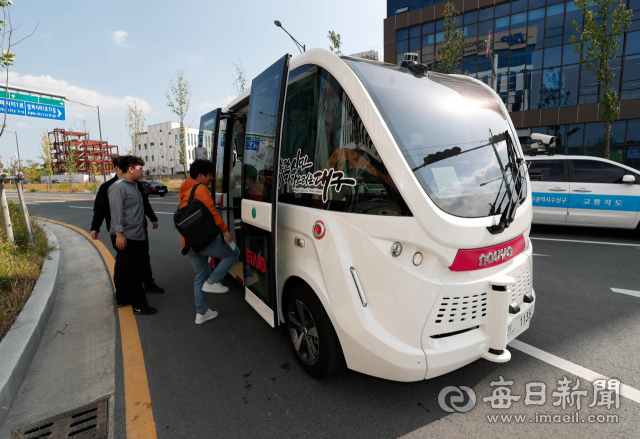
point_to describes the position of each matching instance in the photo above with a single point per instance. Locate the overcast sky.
(112, 53)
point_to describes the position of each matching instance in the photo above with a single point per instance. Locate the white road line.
(42, 202)
(535, 254)
(87, 207)
(588, 242)
(572, 368)
(628, 292)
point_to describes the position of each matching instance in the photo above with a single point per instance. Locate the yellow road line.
(28, 197)
(139, 415)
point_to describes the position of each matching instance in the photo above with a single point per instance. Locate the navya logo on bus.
(513, 39)
(256, 261)
(495, 256)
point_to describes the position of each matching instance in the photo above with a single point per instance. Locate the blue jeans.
(200, 264)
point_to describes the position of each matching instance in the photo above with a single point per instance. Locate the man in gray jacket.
(128, 224)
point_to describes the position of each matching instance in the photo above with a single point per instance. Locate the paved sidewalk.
(75, 362)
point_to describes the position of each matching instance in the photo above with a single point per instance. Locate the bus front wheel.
(313, 339)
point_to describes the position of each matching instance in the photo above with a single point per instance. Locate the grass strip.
(20, 267)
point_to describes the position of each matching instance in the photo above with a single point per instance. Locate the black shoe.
(153, 289)
(145, 311)
(121, 304)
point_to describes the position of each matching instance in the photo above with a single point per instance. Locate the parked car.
(584, 191)
(152, 187)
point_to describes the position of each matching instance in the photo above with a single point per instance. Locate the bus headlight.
(396, 249)
(527, 243)
(417, 259)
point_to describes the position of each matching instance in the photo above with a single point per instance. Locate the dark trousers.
(128, 272)
(147, 275)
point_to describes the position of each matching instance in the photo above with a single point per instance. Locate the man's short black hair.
(201, 166)
(129, 161)
(115, 161)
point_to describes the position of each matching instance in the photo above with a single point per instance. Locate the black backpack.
(195, 223)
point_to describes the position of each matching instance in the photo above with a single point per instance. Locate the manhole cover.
(89, 421)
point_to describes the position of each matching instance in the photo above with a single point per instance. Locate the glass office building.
(539, 77)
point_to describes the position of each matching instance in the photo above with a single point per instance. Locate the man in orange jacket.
(201, 172)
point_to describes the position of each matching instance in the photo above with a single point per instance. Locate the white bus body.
(455, 293)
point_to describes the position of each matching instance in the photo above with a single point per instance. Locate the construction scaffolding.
(70, 147)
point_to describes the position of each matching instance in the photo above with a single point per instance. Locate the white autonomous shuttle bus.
(383, 214)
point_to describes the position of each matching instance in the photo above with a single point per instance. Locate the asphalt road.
(236, 377)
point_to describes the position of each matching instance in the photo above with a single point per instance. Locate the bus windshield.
(452, 132)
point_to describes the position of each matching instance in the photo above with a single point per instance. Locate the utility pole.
(104, 174)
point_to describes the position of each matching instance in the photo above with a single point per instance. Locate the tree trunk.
(607, 132)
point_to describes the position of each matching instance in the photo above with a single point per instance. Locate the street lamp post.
(301, 47)
(104, 173)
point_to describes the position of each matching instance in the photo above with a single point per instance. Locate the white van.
(584, 191)
(383, 215)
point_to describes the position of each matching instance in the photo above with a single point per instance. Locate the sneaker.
(145, 311)
(153, 289)
(122, 304)
(214, 288)
(201, 318)
(251, 280)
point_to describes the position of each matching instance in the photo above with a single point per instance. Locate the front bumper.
(468, 319)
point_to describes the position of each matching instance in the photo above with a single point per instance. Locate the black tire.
(162, 195)
(329, 358)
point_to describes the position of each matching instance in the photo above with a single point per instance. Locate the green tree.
(239, 76)
(134, 121)
(605, 22)
(47, 164)
(452, 47)
(179, 100)
(336, 42)
(7, 57)
(70, 159)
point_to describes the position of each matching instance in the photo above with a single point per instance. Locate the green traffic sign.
(49, 101)
(21, 97)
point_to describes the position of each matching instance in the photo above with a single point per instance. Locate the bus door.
(212, 126)
(260, 186)
(233, 175)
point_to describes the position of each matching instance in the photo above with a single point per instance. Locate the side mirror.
(630, 179)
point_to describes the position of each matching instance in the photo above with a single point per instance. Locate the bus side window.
(327, 158)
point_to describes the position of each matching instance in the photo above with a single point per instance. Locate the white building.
(159, 147)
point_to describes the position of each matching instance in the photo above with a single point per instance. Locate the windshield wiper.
(509, 213)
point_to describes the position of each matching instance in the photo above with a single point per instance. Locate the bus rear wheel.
(313, 339)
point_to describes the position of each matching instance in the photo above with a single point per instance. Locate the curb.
(20, 344)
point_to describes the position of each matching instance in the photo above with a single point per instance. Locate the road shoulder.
(75, 362)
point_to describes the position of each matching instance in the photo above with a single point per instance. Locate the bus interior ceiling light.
(417, 259)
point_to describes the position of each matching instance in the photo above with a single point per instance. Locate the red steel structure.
(88, 154)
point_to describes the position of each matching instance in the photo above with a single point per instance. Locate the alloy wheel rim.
(303, 332)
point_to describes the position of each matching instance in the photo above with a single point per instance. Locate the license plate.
(162, 190)
(519, 322)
